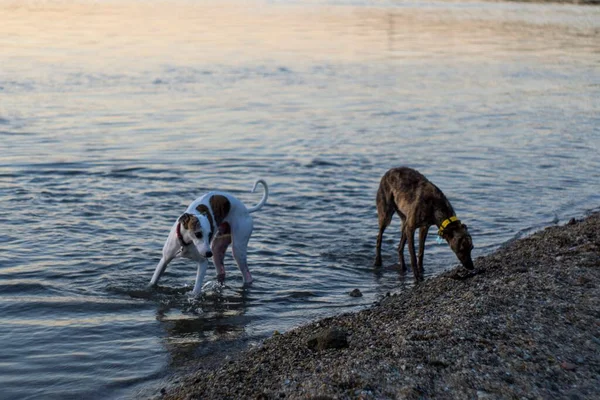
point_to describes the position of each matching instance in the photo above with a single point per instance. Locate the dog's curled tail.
(264, 198)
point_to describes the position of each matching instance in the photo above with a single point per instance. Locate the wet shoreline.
(526, 325)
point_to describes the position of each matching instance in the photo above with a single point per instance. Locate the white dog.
(207, 227)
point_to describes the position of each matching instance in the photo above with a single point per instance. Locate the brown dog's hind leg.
(384, 214)
(410, 233)
(401, 249)
(423, 230)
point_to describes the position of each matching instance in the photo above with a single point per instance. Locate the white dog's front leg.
(169, 252)
(202, 267)
(160, 269)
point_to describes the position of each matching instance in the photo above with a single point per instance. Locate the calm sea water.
(114, 115)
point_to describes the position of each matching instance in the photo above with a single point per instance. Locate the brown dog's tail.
(264, 198)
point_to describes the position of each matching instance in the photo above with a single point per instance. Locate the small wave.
(58, 168)
(12, 133)
(23, 287)
(318, 162)
(143, 291)
(300, 294)
(295, 296)
(388, 113)
(127, 171)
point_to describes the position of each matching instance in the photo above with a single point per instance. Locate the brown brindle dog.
(420, 204)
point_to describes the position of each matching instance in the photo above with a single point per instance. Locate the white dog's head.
(197, 230)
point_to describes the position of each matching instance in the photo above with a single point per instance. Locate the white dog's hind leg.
(239, 249)
(218, 247)
(239, 253)
(202, 267)
(160, 269)
(240, 235)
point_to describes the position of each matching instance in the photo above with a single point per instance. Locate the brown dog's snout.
(468, 263)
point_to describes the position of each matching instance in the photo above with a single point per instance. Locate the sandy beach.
(526, 325)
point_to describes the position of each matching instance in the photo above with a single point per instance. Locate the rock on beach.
(330, 338)
(527, 325)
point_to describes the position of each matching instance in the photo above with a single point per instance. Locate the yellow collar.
(447, 222)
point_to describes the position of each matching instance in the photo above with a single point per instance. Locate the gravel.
(525, 325)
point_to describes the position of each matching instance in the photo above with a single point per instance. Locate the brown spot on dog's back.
(220, 207)
(203, 209)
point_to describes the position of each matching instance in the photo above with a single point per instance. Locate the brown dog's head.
(460, 242)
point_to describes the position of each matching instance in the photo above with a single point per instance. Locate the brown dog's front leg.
(410, 233)
(377, 262)
(422, 237)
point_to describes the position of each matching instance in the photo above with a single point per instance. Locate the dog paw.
(210, 286)
(248, 283)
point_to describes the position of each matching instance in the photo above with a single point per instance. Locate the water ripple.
(101, 153)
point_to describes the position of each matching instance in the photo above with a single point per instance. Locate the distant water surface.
(114, 115)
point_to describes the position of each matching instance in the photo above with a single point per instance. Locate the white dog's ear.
(183, 218)
(188, 221)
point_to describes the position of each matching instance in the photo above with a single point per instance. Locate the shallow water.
(115, 115)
